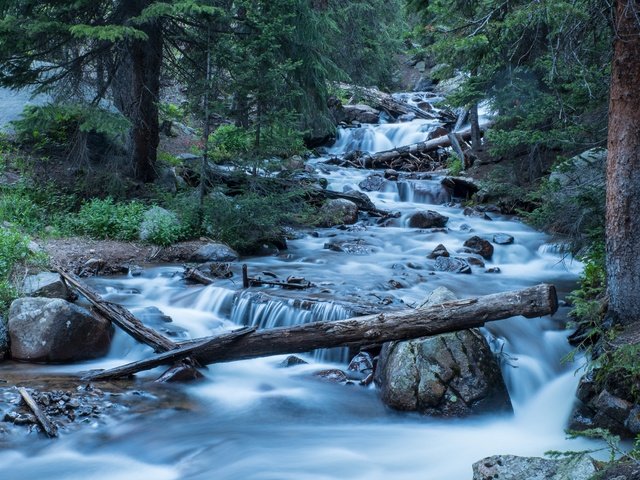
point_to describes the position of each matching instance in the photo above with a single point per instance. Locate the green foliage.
(14, 250)
(455, 166)
(31, 208)
(247, 221)
(108, 219)
(56, 124)
(171, 111)
(229, 142)
(160, 227)
(501, 186)
(107, 33)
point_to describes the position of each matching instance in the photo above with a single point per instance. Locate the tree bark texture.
(623, 168)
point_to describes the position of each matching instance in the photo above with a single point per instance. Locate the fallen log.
(47, 425)
(386, 102)
(382, 159)
(170, 357)
(119, 315)
(384, 327)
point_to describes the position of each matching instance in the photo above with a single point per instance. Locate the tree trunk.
(476, 132)
(384, 327)
(146, 59)
(381, 327)
(623, 169)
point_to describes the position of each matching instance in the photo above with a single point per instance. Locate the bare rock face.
(45, 284)
(54, 330)
(214, 252)
(338, 211)
(449, 375)
(511, 467)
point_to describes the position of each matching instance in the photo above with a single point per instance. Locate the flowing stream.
(255, 420)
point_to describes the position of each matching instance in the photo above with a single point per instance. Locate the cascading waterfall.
(254, 420)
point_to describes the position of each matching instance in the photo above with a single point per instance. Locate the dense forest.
(207, 134)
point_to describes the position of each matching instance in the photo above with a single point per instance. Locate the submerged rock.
(54, 330)
(503, 239)
(511, 467)
(427, 219)
(373, 183)
(453, 265)
(449, 375)
(292, 361)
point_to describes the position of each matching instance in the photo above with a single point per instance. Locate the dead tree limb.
(386, 102)
(47, 425)
(170, 357)
(383, 327)
(119, 315)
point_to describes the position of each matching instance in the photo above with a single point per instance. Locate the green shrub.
(108, 219)
(14, 249)
(54, 125)
(160, 227)
(454, 164)
(247, 221)
(229, 142)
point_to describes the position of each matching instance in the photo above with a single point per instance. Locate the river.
(254, 420)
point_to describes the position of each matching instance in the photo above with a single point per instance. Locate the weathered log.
(47, 425)
(168, 358)
(377, 328)
(195, 275)
(386, 102)
(119, 315)
(382, 159)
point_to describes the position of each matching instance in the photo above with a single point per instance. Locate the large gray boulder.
(214, 252)
(585, 169)
(338, 211)
(45, 284)
(449, 375)
(54, 330)
(360, 113)
(511, 467)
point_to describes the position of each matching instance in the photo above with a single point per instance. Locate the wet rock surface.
(511, 467)
(450, 375)
(338, 211)
(214, 252)
(54, 330)
(480, 246)
(427, 219)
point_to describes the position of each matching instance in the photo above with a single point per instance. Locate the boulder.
(338, 211)
(214, 252)
(480, 246)
(453, 265)
(54, 330)
(511, 467)
(439, 251)
(45, 284)
(427, 219)
(373, 183)
(4, 339)
(360, 113)
(588, 168)
(352, 247)
(449, 375)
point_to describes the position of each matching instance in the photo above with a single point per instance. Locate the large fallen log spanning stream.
(402, 325)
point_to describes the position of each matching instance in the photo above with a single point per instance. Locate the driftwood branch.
(386, 102)
(47, 425)
(170, 357)
(119, 315)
